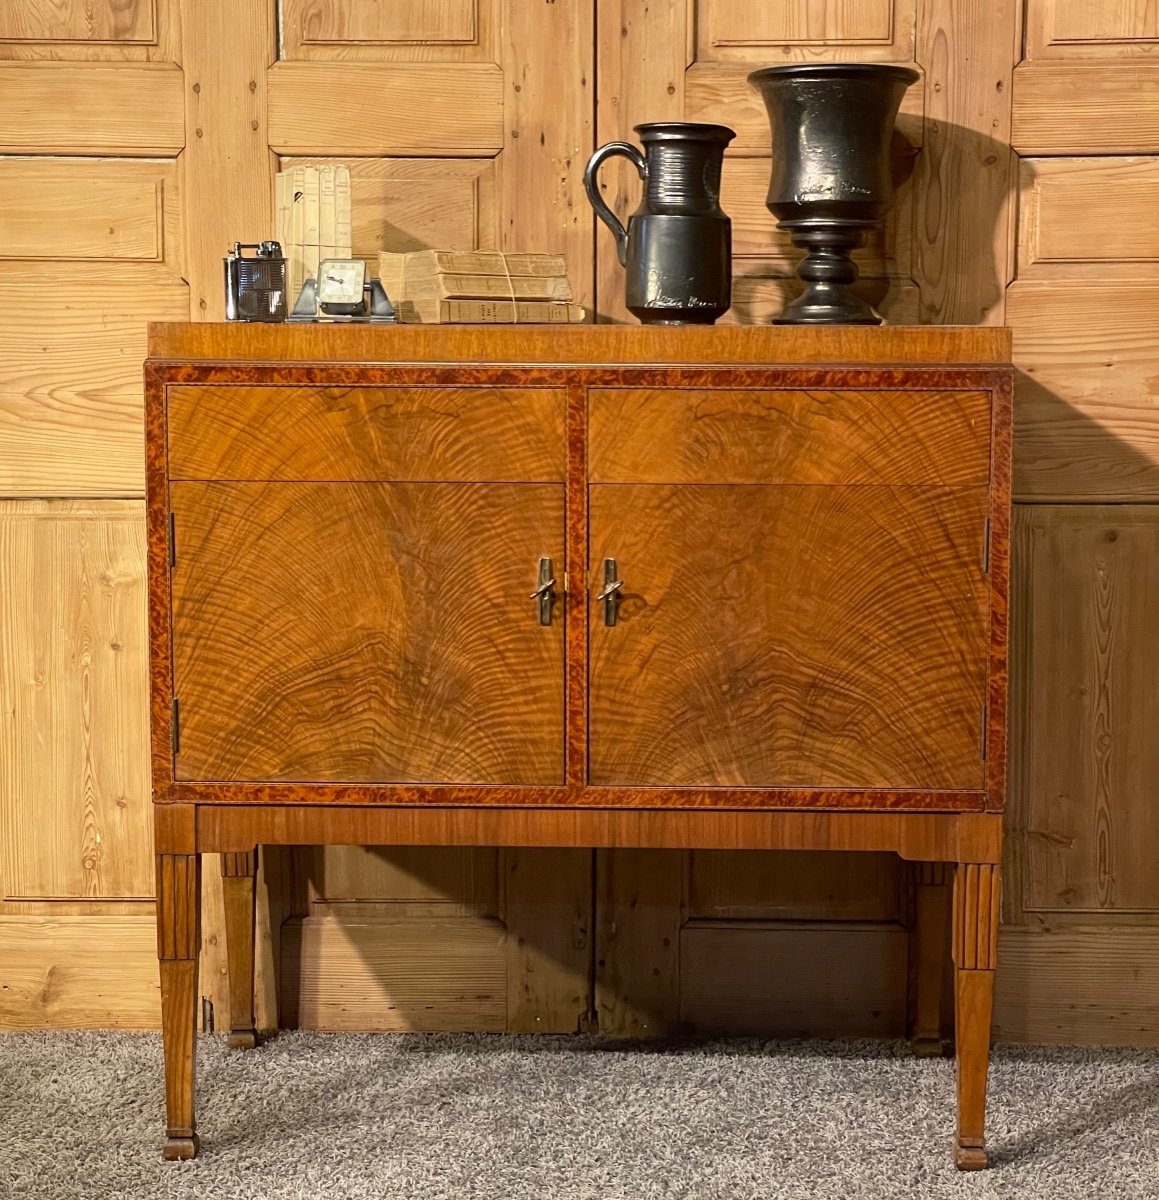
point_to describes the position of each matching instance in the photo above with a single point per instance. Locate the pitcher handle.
(605, 214)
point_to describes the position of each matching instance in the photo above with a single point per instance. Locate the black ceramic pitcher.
(678, 245)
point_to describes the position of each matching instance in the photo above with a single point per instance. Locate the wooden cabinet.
(735, 588)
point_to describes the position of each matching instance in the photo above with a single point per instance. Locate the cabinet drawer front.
(367, 433)
(782, 436)
(790, 637)
(367, 633)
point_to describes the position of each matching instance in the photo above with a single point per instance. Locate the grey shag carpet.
(464, 1117)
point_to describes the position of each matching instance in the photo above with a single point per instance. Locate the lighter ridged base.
(181, 1149)
(928, 1047)
(971, 1158)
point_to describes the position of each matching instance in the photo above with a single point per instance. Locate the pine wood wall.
(139, 138)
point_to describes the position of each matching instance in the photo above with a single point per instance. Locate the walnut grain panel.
(783, 436)
(352, 433)
(789, 636)
(366, 632)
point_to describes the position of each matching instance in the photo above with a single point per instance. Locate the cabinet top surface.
(717, 346)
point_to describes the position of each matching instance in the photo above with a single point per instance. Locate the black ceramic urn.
(832, 125)
(677, 249)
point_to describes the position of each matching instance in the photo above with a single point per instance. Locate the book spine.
(294, 252)
(311, 214)
(504, 312)
(343, 235)
(498, 287)
(327, 216)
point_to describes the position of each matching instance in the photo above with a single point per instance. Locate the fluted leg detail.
(977, 888)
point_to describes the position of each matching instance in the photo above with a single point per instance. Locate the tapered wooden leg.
(178, 942)
(928, 943)
(237, 881)
(975, 943)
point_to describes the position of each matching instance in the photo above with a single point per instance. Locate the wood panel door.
(92, 135)
(465, 123)
(1079, 957)
(789, 636)
(342, 632)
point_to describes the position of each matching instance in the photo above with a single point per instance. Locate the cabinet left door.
(367, 632)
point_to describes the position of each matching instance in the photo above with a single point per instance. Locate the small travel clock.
(340, 286)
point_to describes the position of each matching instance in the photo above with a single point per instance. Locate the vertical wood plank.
(1084, 829)
(74, 784)
(642, 52)
(640, 909)
(228, 166)
(548, 913)
(548, 81)
(966, 172)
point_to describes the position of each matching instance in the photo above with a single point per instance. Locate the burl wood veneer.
(806, 534)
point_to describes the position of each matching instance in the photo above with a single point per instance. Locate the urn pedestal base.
(827, 271)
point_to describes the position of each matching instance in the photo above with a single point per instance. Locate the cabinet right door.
(827, 629)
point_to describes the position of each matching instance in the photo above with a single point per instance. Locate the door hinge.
(175, 727)
(172, 541)
(986, 548)
(982, 732)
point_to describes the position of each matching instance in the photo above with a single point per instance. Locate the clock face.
(340, 280)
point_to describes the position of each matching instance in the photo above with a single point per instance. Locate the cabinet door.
(789, 636)
(367, 632)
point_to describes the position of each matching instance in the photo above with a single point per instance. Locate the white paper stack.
(313, 219)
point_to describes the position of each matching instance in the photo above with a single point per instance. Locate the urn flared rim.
(826, 71)
(683, 131)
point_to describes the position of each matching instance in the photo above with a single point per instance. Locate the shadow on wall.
(890, 257)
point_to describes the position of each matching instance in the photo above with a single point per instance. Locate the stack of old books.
(444, 287)
(313, 215)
